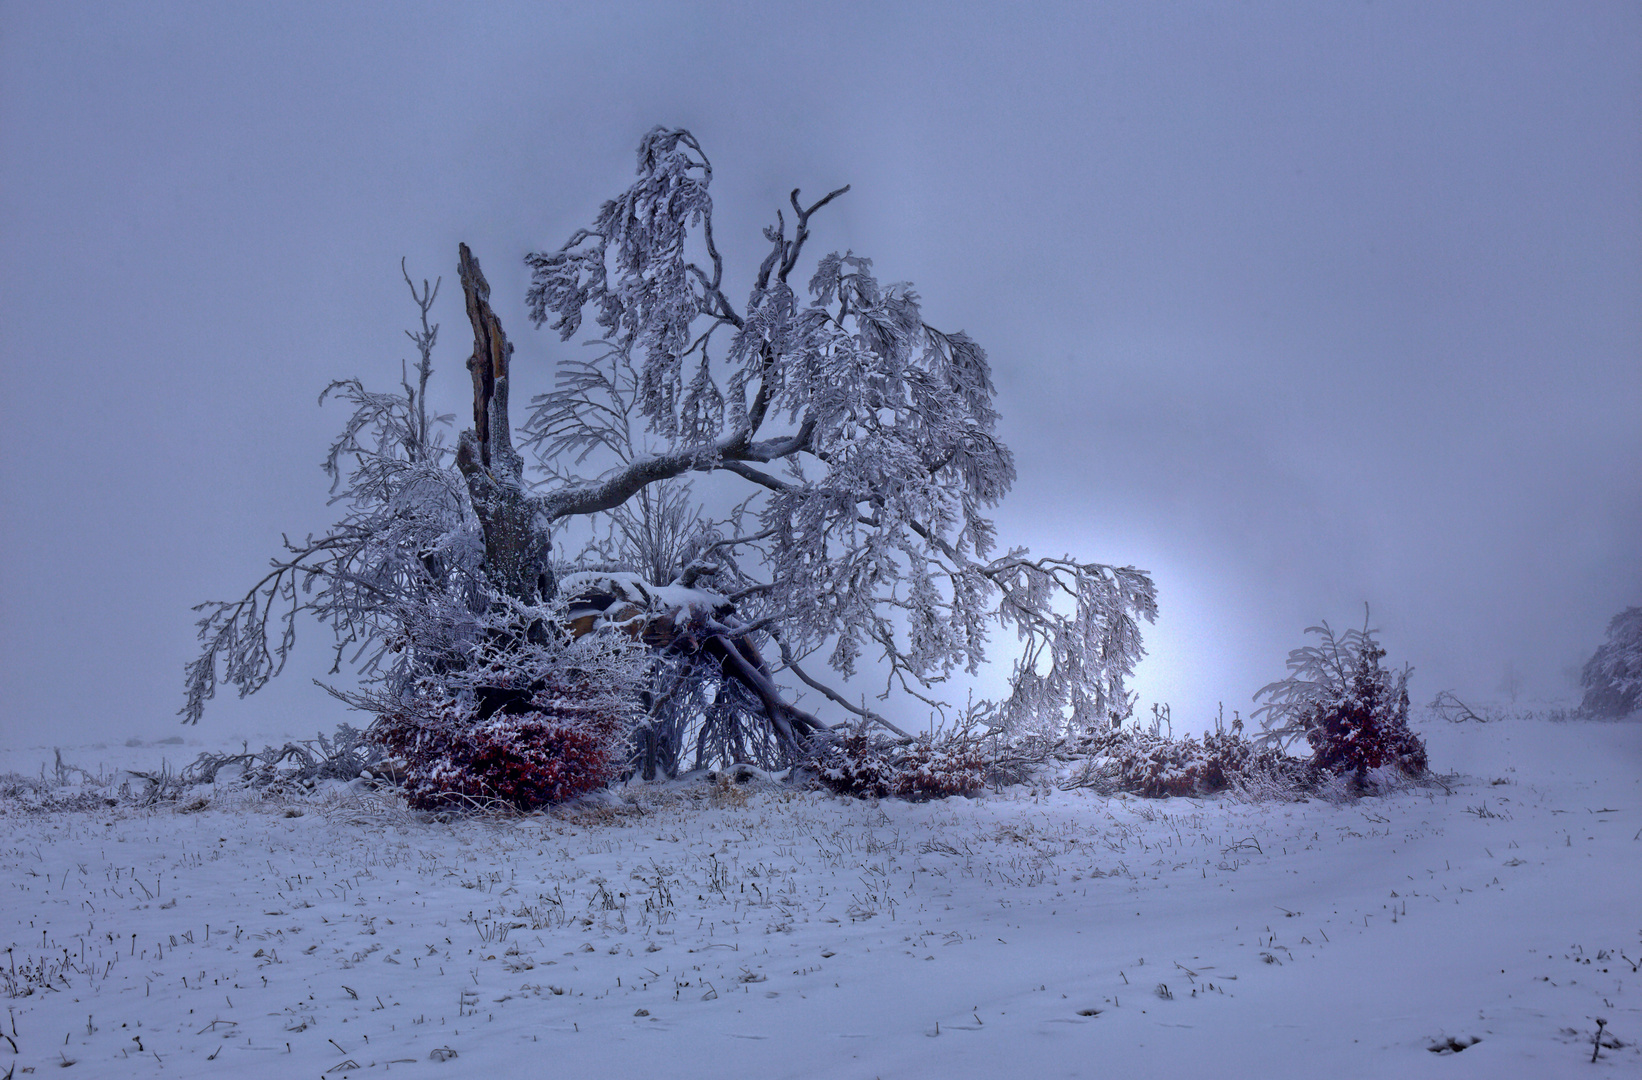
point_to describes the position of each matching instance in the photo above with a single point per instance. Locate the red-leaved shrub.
(1367, 726)
(520, 718)
(556, 749)
(1351, 711)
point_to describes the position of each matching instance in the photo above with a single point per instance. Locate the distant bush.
(1613, 675)
(1350, 710)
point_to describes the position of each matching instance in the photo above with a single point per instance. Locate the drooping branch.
(235, 633)
(791, 662)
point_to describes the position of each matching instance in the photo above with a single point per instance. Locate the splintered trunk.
(517, 530)
(517, 533)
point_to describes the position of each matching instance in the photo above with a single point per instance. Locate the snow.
(631, 589)
(702, 927)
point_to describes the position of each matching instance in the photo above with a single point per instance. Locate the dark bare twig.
(1451, 708)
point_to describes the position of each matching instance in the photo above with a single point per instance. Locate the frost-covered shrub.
(1350, 710)
(1366, 727)
(531, 719)
(858, 764)
(1160, 767)
(21, 794)
(1613, 675)
(1186, 767)
(529, 759)
(1154, 765)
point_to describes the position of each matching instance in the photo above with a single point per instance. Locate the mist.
(1300, 308)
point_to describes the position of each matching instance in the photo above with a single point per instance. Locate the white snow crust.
(630, 588)
(704, 929)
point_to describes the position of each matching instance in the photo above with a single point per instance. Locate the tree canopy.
(863, 440)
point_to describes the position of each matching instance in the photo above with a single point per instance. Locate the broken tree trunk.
(517, 532)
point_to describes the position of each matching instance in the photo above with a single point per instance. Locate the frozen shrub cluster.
(348, 754)
(553, 751)
(1349, 709)
(21, 794)
(1223, 759)
(864, 766)
(1612, 677)
(1160, 767)
(528, 724)
(1154, 765)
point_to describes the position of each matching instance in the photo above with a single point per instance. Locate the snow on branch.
(397, 579)
(864, 443)
(865, 435)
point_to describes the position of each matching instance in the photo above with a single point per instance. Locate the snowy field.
(702, 932)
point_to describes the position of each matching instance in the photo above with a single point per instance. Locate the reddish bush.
(552, 751)
(858, 765)
(1155, 766)
(1165, 767)
(1367, 726)
(1350, 710)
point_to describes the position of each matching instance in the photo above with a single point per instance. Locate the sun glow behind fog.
(1293, 310)
(1199, 659)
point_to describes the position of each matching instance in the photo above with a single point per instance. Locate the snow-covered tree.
(1348, 707)
(862, 437)
(1612, 677)
(865, 438)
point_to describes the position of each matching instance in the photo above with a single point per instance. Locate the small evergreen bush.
(1367, 727)
(1350, 710)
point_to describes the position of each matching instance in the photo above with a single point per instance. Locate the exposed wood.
(517, 531)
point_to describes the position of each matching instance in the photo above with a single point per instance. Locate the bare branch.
(832, 695)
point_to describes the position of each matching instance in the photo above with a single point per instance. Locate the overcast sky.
(1296, 307)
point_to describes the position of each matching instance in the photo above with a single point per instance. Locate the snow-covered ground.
(692, 932)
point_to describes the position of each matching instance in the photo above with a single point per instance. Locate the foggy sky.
(1296, 307)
